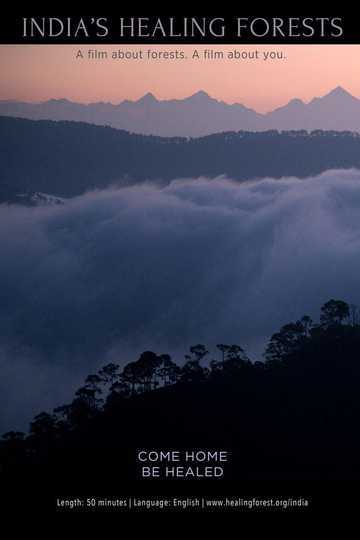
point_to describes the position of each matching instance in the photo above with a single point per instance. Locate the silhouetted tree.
(235, 358)
(109, 374)
(333, 313)
(131, 376)
(307, 324)
(63, 415)
(169, 371)
(192, 371)
(305, 392)
(223, 349)
(84, 407)
(42, 425)
(42, 433)
(120, 388)
(13, 436)
(287, 340)
(146, 369)
(198, 352)
(92, 382)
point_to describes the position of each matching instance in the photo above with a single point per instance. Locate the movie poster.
(179, 263)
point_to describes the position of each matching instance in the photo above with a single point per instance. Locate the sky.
(41, 72)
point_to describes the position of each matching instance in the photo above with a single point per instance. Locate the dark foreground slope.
(68, 158)
(290, 425)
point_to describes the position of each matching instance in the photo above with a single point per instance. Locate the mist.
(114, 272)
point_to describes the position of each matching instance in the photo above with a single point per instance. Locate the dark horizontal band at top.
(180, 29)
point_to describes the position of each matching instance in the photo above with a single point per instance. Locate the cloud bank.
(114, 272)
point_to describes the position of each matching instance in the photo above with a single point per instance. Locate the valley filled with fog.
(108, 274)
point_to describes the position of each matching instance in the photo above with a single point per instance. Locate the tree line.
(93, 157)
(151, 371)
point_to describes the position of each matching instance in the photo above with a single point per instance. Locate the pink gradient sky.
(37, 73)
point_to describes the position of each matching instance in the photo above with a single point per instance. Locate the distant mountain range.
(65, 159)
(198, 114)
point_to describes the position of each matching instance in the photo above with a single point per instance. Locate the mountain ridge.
(198, 114)
(67, 158)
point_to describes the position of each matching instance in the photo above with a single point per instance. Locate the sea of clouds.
(114, 272)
